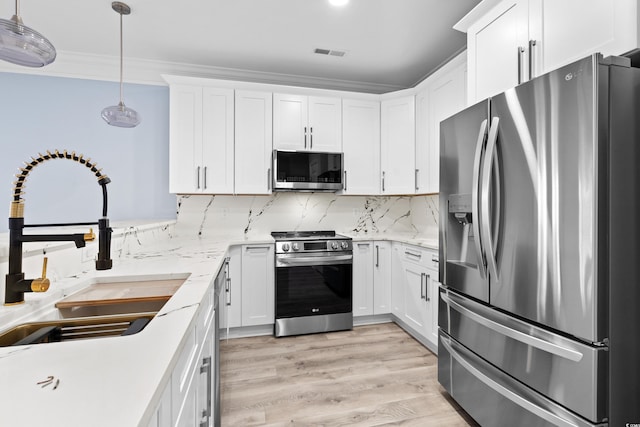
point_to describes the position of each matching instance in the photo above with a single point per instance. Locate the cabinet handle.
(435, 259)
(198, 177)
(426, 287)
(206, 412)
(204, 177)
(345, 180)
(377, 256)
(269, 179)
(417, 186)
(305, 137)
(532, 45)
(311, 137)
(257, 248)
(413, 254)
(383, 181)
(520, 63)
(228, 290)
(422, 286)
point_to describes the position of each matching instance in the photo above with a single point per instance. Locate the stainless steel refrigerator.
(540, 250)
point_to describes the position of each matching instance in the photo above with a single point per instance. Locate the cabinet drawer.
(415, 255)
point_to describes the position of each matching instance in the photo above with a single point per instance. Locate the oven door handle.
(311, 261)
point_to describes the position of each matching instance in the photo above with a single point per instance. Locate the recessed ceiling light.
(338, 2)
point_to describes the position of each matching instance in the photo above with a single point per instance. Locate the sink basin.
(75, 329)
(119, 297)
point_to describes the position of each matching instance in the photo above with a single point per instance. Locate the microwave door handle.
(475, 202)
(490, 159)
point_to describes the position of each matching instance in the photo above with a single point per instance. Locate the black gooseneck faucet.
(16, 285)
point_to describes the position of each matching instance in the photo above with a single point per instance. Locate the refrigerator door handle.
(475, 204)
(489, 160)
(546, 346)
(502, 390)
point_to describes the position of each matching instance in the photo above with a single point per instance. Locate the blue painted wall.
(39, 113)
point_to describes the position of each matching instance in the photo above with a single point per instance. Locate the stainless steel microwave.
(307, 171)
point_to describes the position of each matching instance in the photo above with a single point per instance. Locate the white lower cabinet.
(371, 278)
(248, 298)
(415, 290)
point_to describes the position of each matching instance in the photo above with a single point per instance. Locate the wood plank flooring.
(374, 375)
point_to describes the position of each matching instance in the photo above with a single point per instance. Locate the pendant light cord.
(17, 7)
(121, 73)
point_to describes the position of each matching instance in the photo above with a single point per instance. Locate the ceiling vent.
(339, 53)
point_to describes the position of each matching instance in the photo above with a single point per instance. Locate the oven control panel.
(302, 246)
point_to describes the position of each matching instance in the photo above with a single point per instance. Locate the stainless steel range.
(313, 282)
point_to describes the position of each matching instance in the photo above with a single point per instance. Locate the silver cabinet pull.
(305, 137)
(426, 287)
(416, 178)
(311, 137)
(422, 296)
(269, 179)
(345, 180)
(413, 254)
(257, 248)
(383, 181)
(520, 63)
(377, 256)
(204, 177)
(532, 45)
(206, 412)
(198, 177)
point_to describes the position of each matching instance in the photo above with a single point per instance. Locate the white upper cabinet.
(514, 40)
(201, 140)
(253, 145)
(361, 146)
(497, 47)
(398, 146)
(307, 123)
(443, 96)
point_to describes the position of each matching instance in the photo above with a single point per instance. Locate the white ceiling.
(390, 44)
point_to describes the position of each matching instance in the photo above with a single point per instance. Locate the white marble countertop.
(118, 381)
(425, 241)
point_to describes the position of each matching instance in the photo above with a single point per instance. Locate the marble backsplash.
(221, 214)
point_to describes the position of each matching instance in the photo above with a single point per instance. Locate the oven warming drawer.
(313, 324)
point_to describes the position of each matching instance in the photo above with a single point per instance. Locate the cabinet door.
(217, 140)
(185, 139)
(382, 278)
(398, 145)
(325, 124)
(363, 292)
(574, 29)
(258, 285)
(205, 375)
(496, 44)
(361, 146)
(415, 304)
(290, 115)
(231, 312)
(253, 143)
(423, 142)
(432, 306)
(446, 96)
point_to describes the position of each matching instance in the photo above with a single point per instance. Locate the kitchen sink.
(75, 329)
(115, 297)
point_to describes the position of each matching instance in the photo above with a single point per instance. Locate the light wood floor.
(370, 376)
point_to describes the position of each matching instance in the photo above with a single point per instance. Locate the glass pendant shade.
(22, 45)
(121, 116)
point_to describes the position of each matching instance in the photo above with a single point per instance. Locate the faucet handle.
(41, 284)
(90, 236)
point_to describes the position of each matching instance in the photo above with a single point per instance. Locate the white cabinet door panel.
(290, 114)
(363, 287)
(398, 145)
(382, 277)
(185, 147)
(325, 124)
(258, 285)
(218, 140)
(361, 146)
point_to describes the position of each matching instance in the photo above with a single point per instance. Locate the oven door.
(313, 284)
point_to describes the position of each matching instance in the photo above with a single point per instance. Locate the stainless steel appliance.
(307, 171)
(539, 306)
(313, 282)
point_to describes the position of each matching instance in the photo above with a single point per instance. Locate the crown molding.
(144, 71)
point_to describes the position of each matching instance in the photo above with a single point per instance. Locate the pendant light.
(121, 115)
(22, 45)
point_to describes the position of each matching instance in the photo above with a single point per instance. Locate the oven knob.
(344, 245)
(295, 246)
(285, 247)
(334, 245)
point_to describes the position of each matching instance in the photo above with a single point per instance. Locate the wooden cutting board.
(122, 292)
